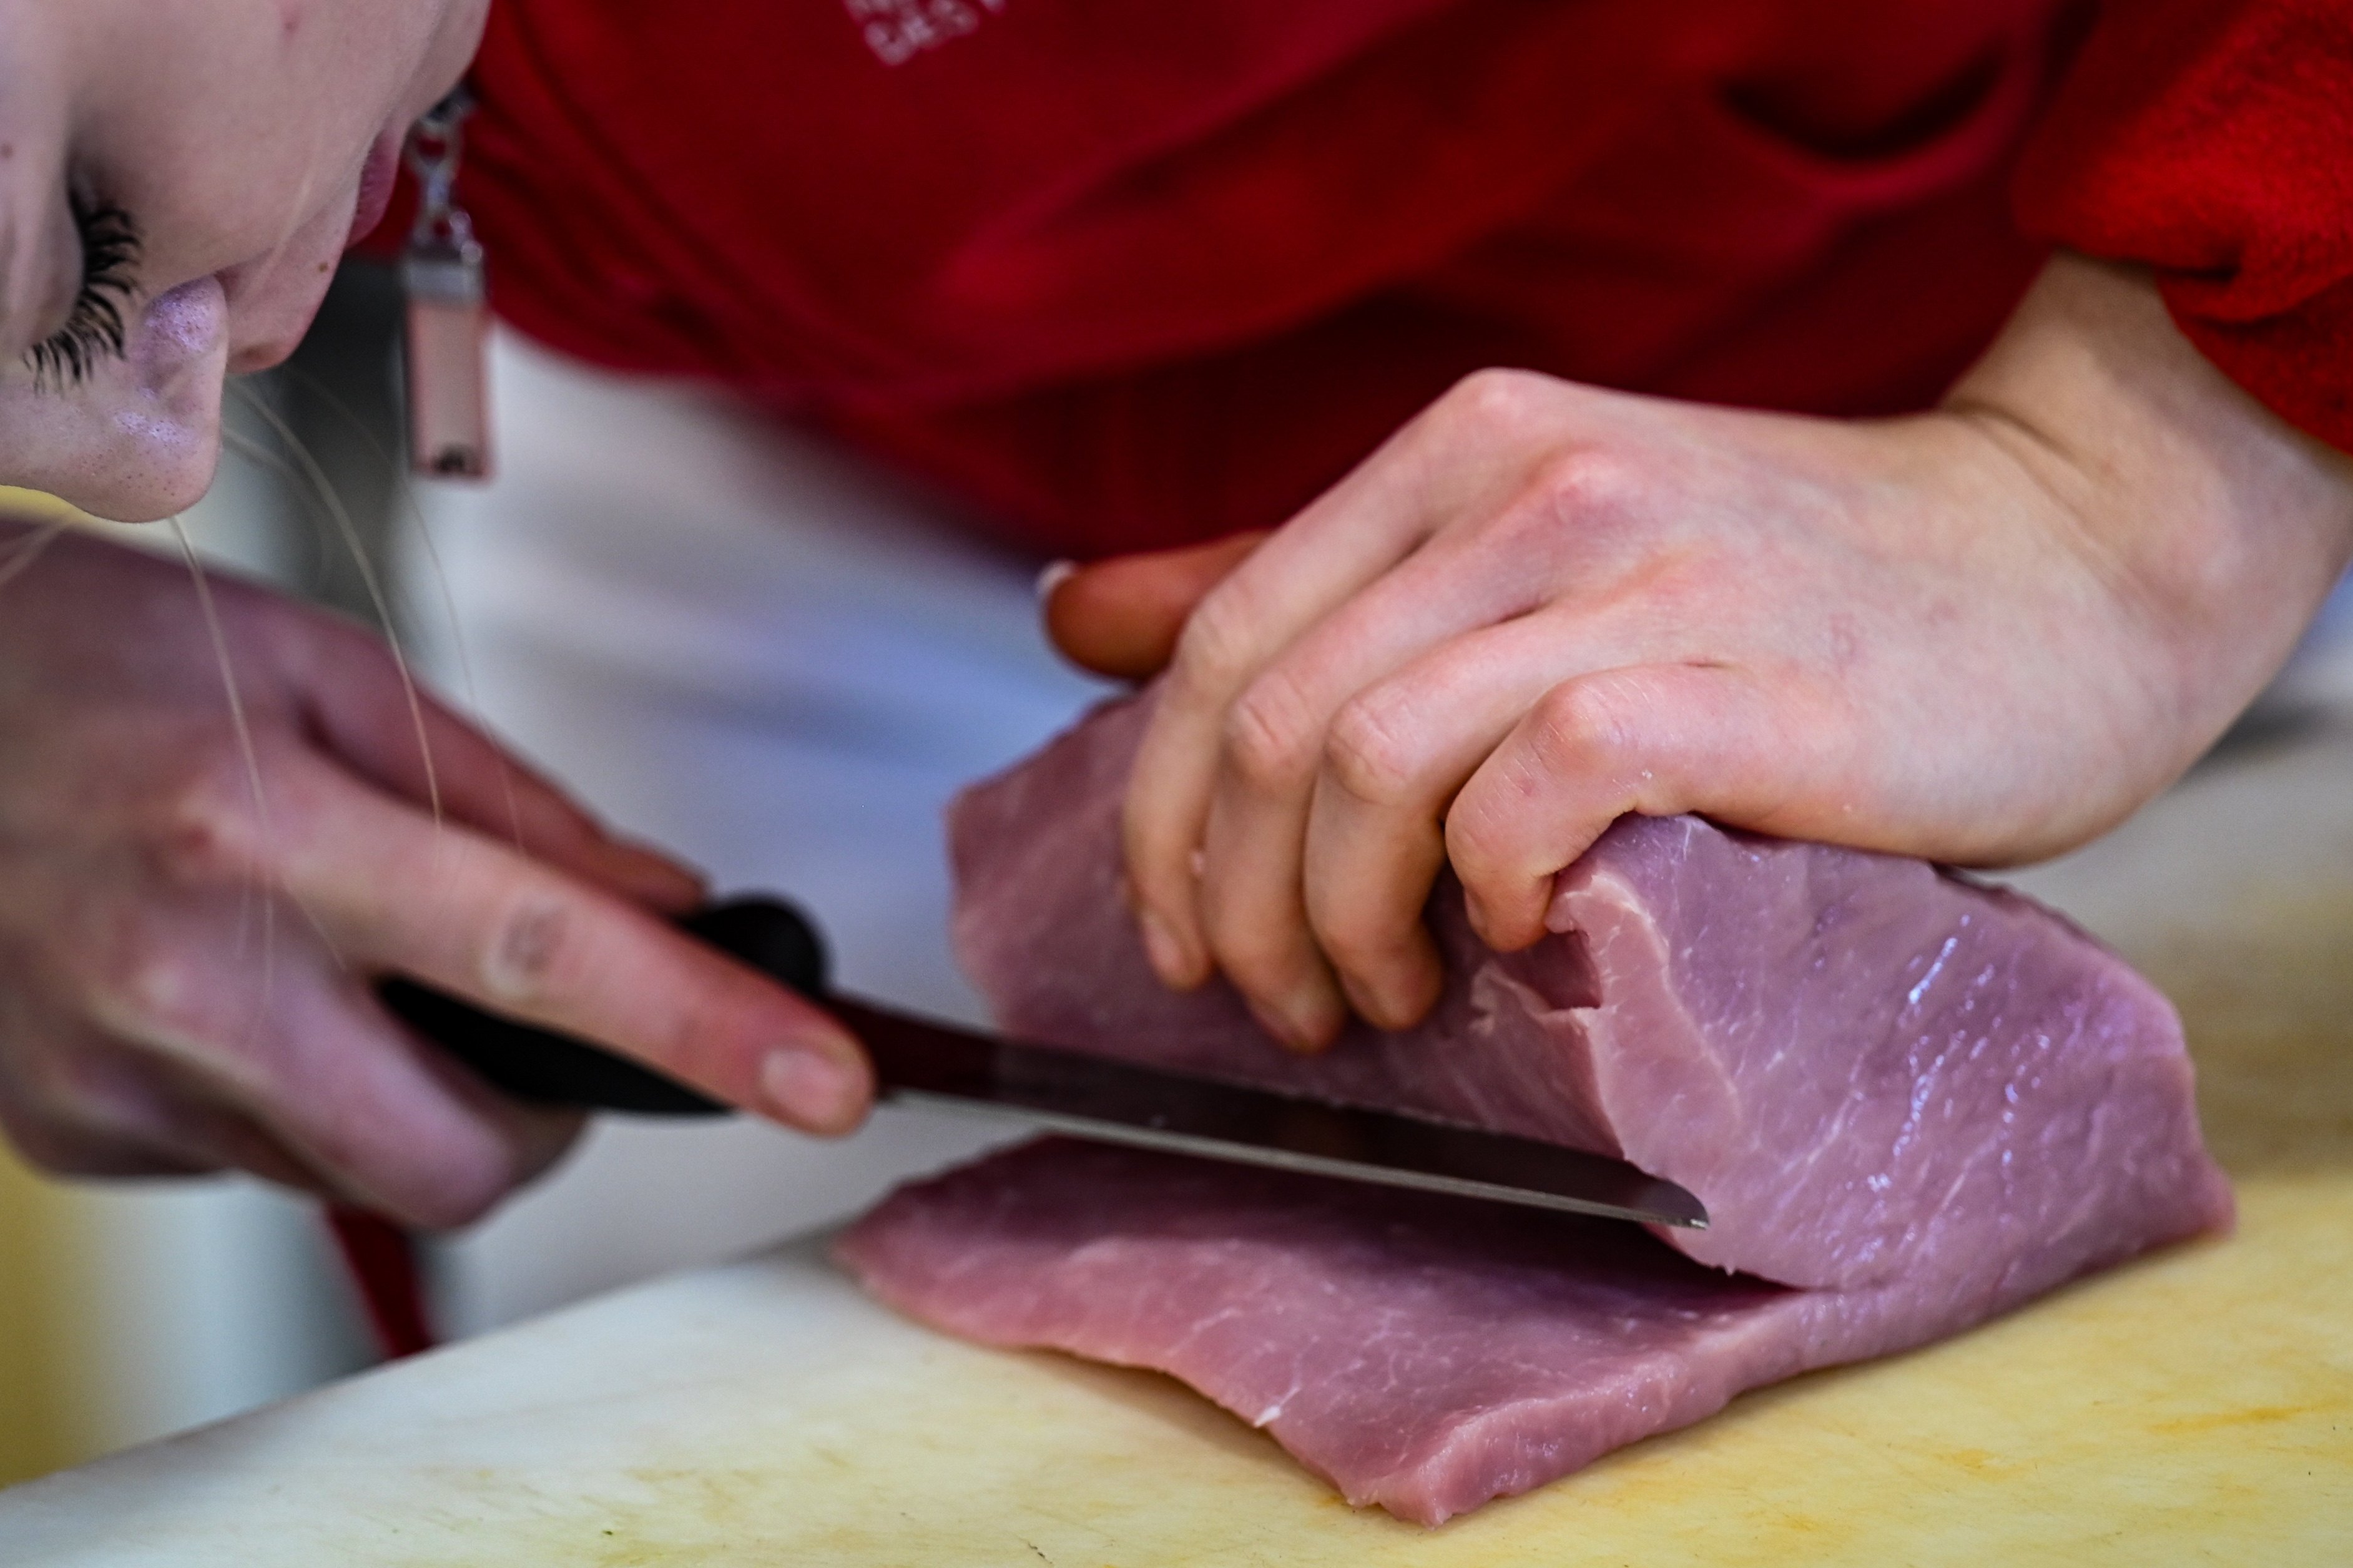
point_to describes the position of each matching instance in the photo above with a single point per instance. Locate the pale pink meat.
(1916, 1100)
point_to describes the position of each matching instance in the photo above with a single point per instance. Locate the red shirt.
(1126, 274)
(2214, 141)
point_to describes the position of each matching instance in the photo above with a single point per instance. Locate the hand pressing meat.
(1980, 635)
(188, 931)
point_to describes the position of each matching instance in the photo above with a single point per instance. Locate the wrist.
(2216, 527)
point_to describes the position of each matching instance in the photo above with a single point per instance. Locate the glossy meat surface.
(1918, 1100)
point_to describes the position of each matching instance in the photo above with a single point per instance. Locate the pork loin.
(1907, 1100)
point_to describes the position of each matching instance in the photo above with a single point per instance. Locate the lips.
(377, 178)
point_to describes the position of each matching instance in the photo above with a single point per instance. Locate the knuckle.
(154, 988)
(1269, 738)
(525, 954)
(205, 829)
(1582, 510)
(1590, 483)
(1477, 847)
(1369, 754)
(1496, 398)
(1579, 728)
(1590, 500)
(1215, 651)
(1576, 753)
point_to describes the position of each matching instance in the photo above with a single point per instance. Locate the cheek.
(272, 301)
(139, 440)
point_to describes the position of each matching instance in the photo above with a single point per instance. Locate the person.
(1494, 417)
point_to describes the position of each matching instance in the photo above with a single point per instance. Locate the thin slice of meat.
(1424, 1353)
(1918, 1099)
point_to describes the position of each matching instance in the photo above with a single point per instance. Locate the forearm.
(2222, 526)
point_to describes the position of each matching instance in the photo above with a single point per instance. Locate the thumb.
(1120, 618)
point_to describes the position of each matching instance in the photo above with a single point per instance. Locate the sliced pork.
(1916, 1100)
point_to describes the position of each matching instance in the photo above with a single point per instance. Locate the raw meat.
(1857, 1063)
(1425, 1354)
(1918, 1101)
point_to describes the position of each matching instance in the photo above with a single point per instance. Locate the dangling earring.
(448, 322)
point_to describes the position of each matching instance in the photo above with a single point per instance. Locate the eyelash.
(94, 329)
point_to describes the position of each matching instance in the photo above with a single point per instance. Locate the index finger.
(465, 913)
(400, 737)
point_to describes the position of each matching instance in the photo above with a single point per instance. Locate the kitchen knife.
(918, 1061)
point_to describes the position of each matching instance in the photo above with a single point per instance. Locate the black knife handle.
(550, 1069)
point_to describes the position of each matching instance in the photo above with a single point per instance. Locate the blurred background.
(132, 1311)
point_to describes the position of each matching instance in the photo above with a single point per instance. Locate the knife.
(920, 1061)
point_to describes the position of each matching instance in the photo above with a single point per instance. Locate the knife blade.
(921, 1061)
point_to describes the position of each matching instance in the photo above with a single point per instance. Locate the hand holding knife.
(923, 1062)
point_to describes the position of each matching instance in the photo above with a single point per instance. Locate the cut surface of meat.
(1916, 1100)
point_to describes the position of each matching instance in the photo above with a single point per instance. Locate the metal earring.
(447, 338)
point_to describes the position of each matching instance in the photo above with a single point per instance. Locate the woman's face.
(242, 143)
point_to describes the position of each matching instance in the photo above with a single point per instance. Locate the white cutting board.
(2194, 1408)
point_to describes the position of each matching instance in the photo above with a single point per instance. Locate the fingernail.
(1401, 1004)
(1276, 1025)
(812, 1089)
(1304, 1023)
(1481, 919)
(1161, 946)
(1367, 1004)
(1055, 573)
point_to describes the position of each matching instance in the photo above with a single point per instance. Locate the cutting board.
(2196, 1406)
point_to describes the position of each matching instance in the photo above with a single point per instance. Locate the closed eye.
(94, 329)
